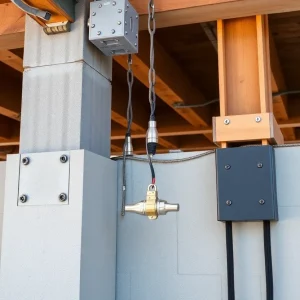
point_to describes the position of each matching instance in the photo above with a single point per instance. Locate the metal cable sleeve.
(230, 261)
(268, 261)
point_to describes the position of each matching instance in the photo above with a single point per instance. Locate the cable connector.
(152, 138)
(128, 145)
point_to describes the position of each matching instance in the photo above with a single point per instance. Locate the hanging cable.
(230, 261)
(152, 134)
(268, 260)
(127, 147)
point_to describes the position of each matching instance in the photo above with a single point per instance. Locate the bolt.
(119, 10)
(94, 14)
(113, 31)
(63, 197)
(114, 3)
(25, 161)
(136, 16)
(260, 165)
(136, 35)
(261, 201)
(93, 25)
(226, 121)
(23, 198)
(126, 32)
(64, 159)
(228, 202)
(135, 44)
(257, 119)
(227, 167)
(99, 32)
(119, 23)
(100, 5)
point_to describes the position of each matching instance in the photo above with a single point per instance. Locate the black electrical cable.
(230, 261)
(268, 260)
(277, 94)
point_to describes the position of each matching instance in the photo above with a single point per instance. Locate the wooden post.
(245, 83)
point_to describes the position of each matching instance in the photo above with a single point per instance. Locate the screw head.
(260, 165)
(23, 198)
(25, 161)
(119, 22)
(226, 121)
(135, 44)
(94, 14)
(228, 202)
(63, 197)
(113, 31)
(227, 167)
(261, 201)
(100, 5)
(119, 10)
(64, 158)
(126, 32)
(93, 25)
(99, 33)
(136, 16)
(258, 119)
(136, 35)
(114, 3)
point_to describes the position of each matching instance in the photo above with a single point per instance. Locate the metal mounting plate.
(44, 178)
(246, 184)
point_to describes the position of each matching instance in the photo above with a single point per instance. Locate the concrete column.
(66, 90)
(53, 248)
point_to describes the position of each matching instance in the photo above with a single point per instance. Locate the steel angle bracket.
(246, 184)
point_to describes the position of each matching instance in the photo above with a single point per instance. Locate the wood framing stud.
(12, 60)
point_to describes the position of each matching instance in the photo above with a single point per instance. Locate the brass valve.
(152, 207)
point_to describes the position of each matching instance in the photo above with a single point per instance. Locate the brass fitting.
(152, 207)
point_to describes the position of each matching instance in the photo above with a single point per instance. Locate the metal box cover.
(246, 184)
(114, 27)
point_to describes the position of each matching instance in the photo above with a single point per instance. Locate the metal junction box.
(114, 27)
(246, 184)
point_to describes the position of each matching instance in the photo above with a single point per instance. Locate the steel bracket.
(246, 184)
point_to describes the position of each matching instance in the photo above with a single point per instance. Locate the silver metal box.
(114, 27)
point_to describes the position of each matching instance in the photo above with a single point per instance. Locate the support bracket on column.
(249, 127)
(246, 184)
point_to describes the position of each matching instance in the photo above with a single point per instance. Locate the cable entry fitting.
(44, 15)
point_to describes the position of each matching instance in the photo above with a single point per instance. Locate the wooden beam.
(15, 141)
(10, 98)
(12, 27)
(172, 85)
(12, 60)
(178, 12)
(278, 84)
(245, 79)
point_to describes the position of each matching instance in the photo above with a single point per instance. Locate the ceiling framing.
(186, 69)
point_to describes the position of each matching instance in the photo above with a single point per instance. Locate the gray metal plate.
(44, 178)
(246, 184)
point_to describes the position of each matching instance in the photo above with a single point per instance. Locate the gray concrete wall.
(183, 256)
(2, 185)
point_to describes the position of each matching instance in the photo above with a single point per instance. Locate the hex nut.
(64, 159)
(23, 198)
(25, 161)
(63, 197)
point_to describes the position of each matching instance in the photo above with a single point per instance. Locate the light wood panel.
(12, 60)
(12, 27)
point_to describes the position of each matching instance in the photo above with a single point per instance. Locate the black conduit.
(268, 260)
(230, 261)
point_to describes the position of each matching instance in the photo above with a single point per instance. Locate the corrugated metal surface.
(65, 107)
(43, 50)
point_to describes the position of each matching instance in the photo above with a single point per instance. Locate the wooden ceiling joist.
(178, 12)
(12, 27)
(12, 60)
(172, 84)
(278, 84)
